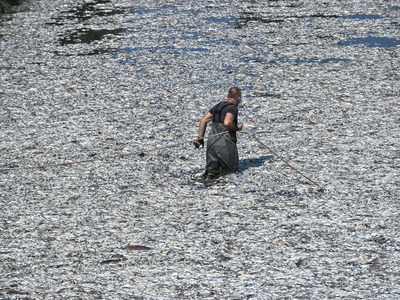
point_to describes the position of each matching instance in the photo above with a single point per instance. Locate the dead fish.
(138, 247)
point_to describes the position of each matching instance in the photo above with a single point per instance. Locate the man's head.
(235, 94)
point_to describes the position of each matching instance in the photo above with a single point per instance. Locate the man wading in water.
(222, 154)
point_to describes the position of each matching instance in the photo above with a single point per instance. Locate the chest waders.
(222, 154)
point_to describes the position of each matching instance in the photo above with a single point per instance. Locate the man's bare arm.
(203, 124)
(230, 124)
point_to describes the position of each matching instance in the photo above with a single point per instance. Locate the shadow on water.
(248, 163)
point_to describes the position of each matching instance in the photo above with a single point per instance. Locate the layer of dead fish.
(90, 79)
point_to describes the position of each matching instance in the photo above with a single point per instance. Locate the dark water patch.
(252, 18)
(86, 12)
(323, 16)
(362, 17)
(371, 42)
(87, 36)
(353, 17)
(249, 17)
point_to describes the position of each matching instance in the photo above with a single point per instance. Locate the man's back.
(220, 110)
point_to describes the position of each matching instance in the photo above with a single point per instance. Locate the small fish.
(138, 247)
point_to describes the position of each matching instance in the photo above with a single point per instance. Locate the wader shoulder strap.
(217, 115)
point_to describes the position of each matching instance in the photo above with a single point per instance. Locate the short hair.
(234, 92)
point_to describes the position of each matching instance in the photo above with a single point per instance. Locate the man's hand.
(240, 127)
(198, 142)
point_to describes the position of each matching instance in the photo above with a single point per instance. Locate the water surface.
(371, 42)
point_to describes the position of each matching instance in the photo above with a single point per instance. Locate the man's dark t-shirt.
(220, 110)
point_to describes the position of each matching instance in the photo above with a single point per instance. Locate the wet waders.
(222, 154)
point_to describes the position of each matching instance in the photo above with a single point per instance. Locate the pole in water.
(320, 190)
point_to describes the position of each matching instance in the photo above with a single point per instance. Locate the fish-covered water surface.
(99, 190)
